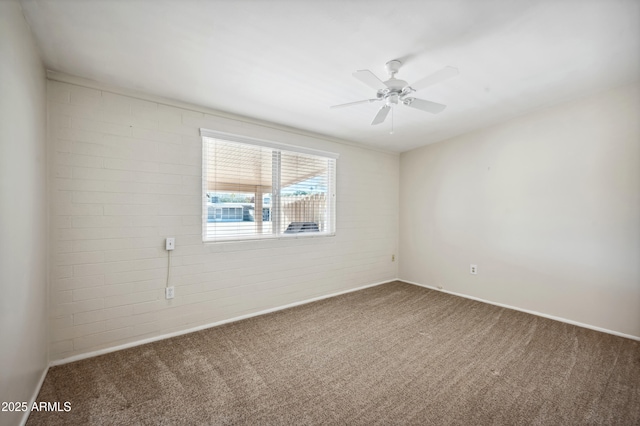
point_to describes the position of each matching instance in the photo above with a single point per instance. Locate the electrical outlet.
(473, 269)
(393, 257)
(170, 243)
(169, 292)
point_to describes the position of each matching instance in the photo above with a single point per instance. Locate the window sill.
(302, 235)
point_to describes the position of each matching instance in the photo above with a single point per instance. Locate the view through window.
(258, 189)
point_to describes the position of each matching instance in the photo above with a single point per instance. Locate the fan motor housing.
(396, 85)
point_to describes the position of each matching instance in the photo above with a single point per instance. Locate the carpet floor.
(387, 355)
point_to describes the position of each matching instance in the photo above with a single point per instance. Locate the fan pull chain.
(391, 132)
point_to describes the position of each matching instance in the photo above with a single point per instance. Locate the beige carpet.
(392, 354)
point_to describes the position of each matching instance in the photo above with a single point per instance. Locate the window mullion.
(276, 171)
(331, 196)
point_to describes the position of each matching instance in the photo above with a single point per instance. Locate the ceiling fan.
(394, 91)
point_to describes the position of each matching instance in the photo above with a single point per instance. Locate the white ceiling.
(287, 61)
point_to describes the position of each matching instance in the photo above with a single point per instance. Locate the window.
(254, 189)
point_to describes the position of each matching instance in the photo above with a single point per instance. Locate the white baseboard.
(25, 415)
(304, 302)
(540, 314)
(291, 305)
(205, 326)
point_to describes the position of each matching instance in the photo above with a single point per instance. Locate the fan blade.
(381, 115)
(436, 77)
(354, 103)
(423, 105)
(370, 79)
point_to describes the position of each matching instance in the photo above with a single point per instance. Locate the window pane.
(305, 187)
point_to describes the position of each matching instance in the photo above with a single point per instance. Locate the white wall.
(23, 207)
(127, 173)
(547, 205)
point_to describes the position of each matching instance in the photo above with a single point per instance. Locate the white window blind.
(256, 189)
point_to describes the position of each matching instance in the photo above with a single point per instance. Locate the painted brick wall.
(126, 174)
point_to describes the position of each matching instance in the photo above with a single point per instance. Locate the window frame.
(275, 197)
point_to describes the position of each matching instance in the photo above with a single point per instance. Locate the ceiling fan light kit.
(395, 91)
